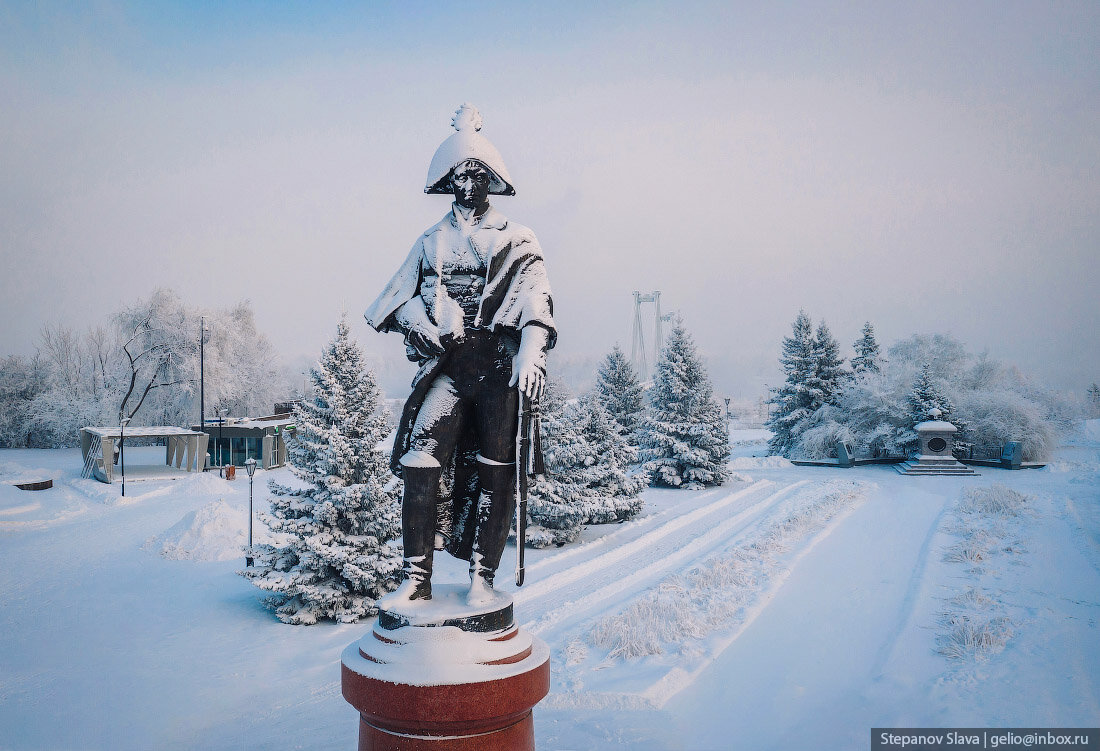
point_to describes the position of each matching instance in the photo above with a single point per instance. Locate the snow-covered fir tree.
(988, 401)
(867, 352)
(341, 527)
(615, 490)
(828, 371)
(554, 511)
(683, 434)
(587, 478)
(794, 400)
(929, 401)
(814, 376)
(925, 396)
(618, 389)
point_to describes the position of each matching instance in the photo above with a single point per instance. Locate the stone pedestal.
(444, 676)
(935, 458)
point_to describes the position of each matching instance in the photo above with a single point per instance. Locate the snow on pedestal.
(935, 457)
(442, 675)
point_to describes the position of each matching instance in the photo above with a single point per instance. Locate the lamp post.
(250, 468)
(727, 409)
(122, 450)
(221, 422)
(202, 377)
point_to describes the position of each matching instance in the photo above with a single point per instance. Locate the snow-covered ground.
(795, 607)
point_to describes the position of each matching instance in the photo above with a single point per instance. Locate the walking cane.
(523, 461)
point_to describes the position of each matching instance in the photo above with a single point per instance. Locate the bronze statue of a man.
(473, 302)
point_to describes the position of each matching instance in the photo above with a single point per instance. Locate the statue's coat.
(516, 294)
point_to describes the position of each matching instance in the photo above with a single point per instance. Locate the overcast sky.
(927, 167)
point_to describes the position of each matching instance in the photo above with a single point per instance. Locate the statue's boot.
(418, 520)
(496, 508)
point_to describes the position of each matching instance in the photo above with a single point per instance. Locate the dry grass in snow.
(988, 525)
(686, 608)
(965, 636)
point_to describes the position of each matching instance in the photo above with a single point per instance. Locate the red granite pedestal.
(442, 676)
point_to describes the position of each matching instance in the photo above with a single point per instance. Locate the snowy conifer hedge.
(814, 375)
(588, 478)
(867, 359)
(342, 526)
(683, 434)
(990, 403)
(619, 391)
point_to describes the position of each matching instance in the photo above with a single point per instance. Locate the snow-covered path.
(820, 644)
(572, 587)
(834, 629)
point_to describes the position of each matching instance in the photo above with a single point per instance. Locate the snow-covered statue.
(473, 303)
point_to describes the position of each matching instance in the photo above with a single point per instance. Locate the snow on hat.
(468, 143)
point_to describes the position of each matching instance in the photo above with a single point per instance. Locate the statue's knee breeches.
(437, 427)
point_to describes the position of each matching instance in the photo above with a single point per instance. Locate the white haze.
(930, 169)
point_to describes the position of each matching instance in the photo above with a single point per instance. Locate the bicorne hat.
(468, 143)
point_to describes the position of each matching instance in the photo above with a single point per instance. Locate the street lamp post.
(122, 451)
(221, 422)
(250, 468)
(727, 409)
(202, 376)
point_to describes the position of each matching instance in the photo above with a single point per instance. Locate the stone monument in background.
(937, 439)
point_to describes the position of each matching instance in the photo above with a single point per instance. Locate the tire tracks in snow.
(602, 580)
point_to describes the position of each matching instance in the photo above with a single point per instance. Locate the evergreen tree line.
(338, 525)
(876, 402)
(604, 447)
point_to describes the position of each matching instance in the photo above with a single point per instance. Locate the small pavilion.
(185, 452)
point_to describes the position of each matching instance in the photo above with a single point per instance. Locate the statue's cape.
(516, 294)
(517, 291)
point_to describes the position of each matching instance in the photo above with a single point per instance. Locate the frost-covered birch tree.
(342, 524)
(1093, 401)
(142, 365)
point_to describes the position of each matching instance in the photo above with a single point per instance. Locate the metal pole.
(248, 558)
(122, 451)
(202, 378)
(221, 423)
(658, 333)
(250, 468)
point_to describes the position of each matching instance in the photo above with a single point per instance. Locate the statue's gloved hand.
(426, 343)
(529, 364)
(420, 332)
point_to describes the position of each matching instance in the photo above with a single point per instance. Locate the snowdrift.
(215, 532)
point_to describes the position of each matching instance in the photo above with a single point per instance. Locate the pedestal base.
(930, 466)
(442, 682)
(517, 737)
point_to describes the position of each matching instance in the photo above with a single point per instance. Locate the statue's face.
(470, 183)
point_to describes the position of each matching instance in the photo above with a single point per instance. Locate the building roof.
(934, 425)
(250, 423)
(141, 431)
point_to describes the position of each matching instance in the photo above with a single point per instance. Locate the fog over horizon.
(930, 169)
